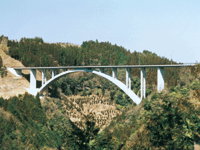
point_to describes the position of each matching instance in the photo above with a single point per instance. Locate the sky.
(169, 28)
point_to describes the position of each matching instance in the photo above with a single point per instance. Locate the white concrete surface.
(13, 71)
(143, 83)
(160, 79)
(114, 73)
(32, 79)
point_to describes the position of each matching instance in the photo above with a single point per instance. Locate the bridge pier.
(45, 76)
(114, 73)
(42, 77)
(128, 78)
(52, 73)
(32, 79)
(143, 83)
(160, 79)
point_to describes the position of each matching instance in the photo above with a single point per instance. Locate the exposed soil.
(80, 108)
(11, 85)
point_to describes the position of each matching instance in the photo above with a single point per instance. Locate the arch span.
(122, 86)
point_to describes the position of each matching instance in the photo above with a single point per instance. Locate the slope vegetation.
(82, 111)
(167, 120)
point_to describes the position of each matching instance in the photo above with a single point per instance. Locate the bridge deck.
(87, 67)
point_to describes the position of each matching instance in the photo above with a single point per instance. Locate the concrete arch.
(122, 86)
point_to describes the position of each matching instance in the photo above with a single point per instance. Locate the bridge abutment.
(19, 72)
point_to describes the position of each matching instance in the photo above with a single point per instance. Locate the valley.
(85, 111)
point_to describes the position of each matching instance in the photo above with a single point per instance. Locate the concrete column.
(160, 79)
(52, 73)
(114, 73)
(55, 72)
(32, 79)
(45, 76)
(129, 78)
(42, 77)
(143, 83)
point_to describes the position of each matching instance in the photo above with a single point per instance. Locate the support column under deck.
(55, 72)
(42, 77)
(160, 79)
(143, 83)
(128, 78)
(114, 73)
(52, 73)
(45, 76)
(32, 79)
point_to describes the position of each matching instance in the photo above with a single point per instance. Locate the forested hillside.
(35, 52)
(167, 120)
(25, 125)
(84, 111)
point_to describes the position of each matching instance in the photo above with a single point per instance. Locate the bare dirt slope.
(79, 109)
(11, 85)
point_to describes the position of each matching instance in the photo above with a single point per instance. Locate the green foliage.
(167, 120)
(116, 135)
(54, 89)
(135, 84)
(29, 127)
(1, 62)
(35, 52)
(30, 115)
(122, 99)
(84, 93)
(3, 70)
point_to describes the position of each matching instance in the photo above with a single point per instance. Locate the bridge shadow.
(27, 77)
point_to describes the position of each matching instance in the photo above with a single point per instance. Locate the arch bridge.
(98, 70)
